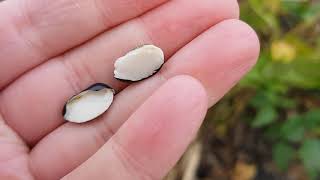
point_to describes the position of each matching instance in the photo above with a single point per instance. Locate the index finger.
(32, 31)
(150, 142)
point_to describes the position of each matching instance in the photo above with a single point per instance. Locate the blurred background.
(268, 127)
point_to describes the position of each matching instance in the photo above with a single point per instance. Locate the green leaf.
(294, 7)
(312, 13)
(312, 119)
(260, 100)
(310, 155)
(282, 154)
(264, 12)
(293, 129)
(273, 132)
(287, 103)
(265, 116)
(265, 98)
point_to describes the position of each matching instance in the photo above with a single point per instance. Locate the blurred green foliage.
(290, 36)
(290, 61)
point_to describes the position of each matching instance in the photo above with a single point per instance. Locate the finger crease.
(2, 111)
(76, 4)
(104, 132)
(71, 75)
(130, 163)
(137, 5)
(37, 49)
(104, 13)
(148, 36)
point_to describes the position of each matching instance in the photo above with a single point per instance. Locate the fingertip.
(194, 88)
(234, 9)
(165, 124)
(246, 35)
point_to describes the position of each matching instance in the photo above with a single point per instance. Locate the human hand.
(51, 50)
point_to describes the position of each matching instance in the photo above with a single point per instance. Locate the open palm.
(51, 50)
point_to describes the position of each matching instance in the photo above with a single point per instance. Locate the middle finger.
(38, 97)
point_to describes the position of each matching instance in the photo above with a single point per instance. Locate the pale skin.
(51, 50)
